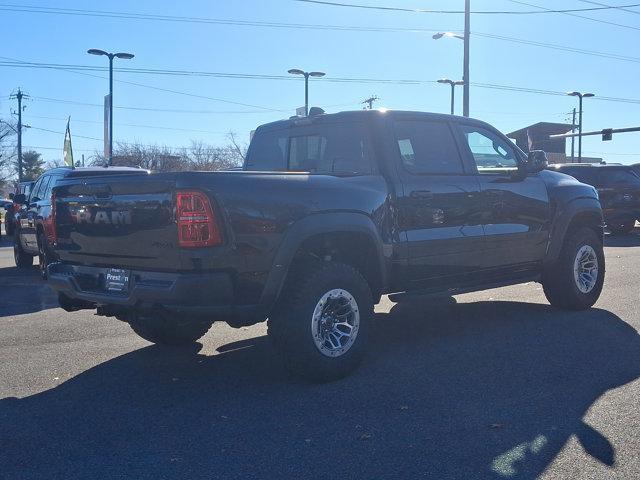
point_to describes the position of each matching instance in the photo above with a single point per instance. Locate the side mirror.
(20, 198)
(536, 161)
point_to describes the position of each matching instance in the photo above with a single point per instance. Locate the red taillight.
(197, 226)
(50, 226)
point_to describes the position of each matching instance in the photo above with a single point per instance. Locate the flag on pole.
(68, 150)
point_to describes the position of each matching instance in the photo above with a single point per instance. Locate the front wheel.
(164, 329)
(322, 321)
(22, 258)
(575, 280)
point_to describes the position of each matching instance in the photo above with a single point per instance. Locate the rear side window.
(427, 147)
(331, 148)
(39, 188)
(52, 183)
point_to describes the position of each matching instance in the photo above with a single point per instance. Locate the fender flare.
(308, 227)
(563, 218)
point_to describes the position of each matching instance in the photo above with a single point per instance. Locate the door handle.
(422, 194)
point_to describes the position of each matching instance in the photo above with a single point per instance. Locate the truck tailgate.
(126, 221)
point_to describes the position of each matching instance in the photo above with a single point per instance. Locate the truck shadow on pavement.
(23, 291)
(473, 390)
(628, 240)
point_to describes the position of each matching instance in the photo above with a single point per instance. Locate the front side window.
(492, 154)
(427, 147)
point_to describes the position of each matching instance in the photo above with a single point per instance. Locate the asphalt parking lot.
(495, 384)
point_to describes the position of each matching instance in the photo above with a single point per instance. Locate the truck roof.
(363, 115)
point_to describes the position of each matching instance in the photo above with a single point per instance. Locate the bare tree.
(204, 157)
(7, 153)
(199, 156)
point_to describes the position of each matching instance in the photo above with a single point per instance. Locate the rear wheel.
(22, 258)
(322, 321)
(623, 227)
(44, 254)
(164, 329)
(575, 280)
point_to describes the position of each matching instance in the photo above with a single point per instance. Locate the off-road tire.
(22, 258)
(559, 283)
(622, 228)
(163, 328)
(45, 256)
(290, 325)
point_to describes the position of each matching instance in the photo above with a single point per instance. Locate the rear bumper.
(205, 294)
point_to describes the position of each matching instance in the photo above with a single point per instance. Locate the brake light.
(51, 232)
(197, 224)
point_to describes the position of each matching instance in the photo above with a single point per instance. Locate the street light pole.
(111, 56)
(466, 38)
(306, 75)
(453, 91)
(580, 97)
(465, 71)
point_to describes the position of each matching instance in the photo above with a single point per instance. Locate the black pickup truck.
(329, 213)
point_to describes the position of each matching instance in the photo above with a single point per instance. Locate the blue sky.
(64, 39)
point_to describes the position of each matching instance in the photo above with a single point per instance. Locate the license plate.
(117, 280)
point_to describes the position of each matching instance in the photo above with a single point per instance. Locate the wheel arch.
(350, 238)
(581, 212)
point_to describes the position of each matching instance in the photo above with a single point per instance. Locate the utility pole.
(369, 101)
(573, 139)
(465, 74)
(19, 96)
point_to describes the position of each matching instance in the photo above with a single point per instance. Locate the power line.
(606, 22)
(145, 109)
(177, 92)
(605, 5)
(251, 23)
(63, 133)
(476, 12)
(134, 125)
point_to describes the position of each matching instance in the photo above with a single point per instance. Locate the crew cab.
(330, 212)
(33, 228)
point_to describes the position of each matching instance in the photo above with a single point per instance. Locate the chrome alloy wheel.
(335, 323)
(585, 269)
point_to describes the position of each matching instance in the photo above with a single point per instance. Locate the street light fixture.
(296, 71)
(580, 97)
(453, 90)
(111, 56)
(439, 35)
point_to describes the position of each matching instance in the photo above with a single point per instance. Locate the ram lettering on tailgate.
(101, 217)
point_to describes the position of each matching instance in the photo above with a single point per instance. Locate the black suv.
(33, 228)
(618, 187)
